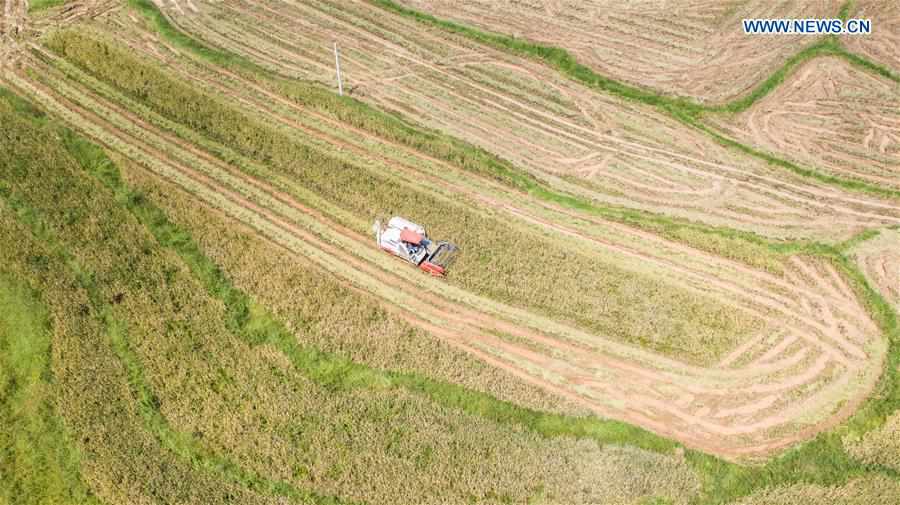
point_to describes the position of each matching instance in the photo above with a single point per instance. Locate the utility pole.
(337, 66)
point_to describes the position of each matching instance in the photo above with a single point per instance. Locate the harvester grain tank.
(408, 241)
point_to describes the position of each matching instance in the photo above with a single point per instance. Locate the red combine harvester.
(408, 241)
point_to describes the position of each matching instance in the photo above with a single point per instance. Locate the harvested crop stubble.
(831, 115)
(633, 155)
(249, 401)
(700, 53)
(325, 313)
(883, 44)
(501, 262)
(869, 490)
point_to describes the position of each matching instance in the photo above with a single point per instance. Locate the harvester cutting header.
(408, 241)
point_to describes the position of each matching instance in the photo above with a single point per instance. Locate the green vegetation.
(850, 184)
(38, 463)
(857, 239)
(828, 46)
(844, 13)
(39, 5)
(868, 65)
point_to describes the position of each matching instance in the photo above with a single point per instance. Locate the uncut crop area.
(801, 351)
(590, 144)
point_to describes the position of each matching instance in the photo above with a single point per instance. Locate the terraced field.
(638, 306)
(594, 145)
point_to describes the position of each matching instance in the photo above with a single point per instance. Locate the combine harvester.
(408, 241)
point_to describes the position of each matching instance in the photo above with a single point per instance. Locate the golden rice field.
(654, 302)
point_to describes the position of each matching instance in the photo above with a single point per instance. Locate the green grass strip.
(867, 65)
(40, 5)
(827, 46)
(857, 239)
(557, 58)
(38, 462)
(682, 109)
(149, 10)
(844, 13)
(848, 184)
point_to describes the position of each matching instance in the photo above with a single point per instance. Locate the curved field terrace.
(641, 312)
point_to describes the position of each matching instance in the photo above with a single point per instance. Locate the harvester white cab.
(408, 241)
